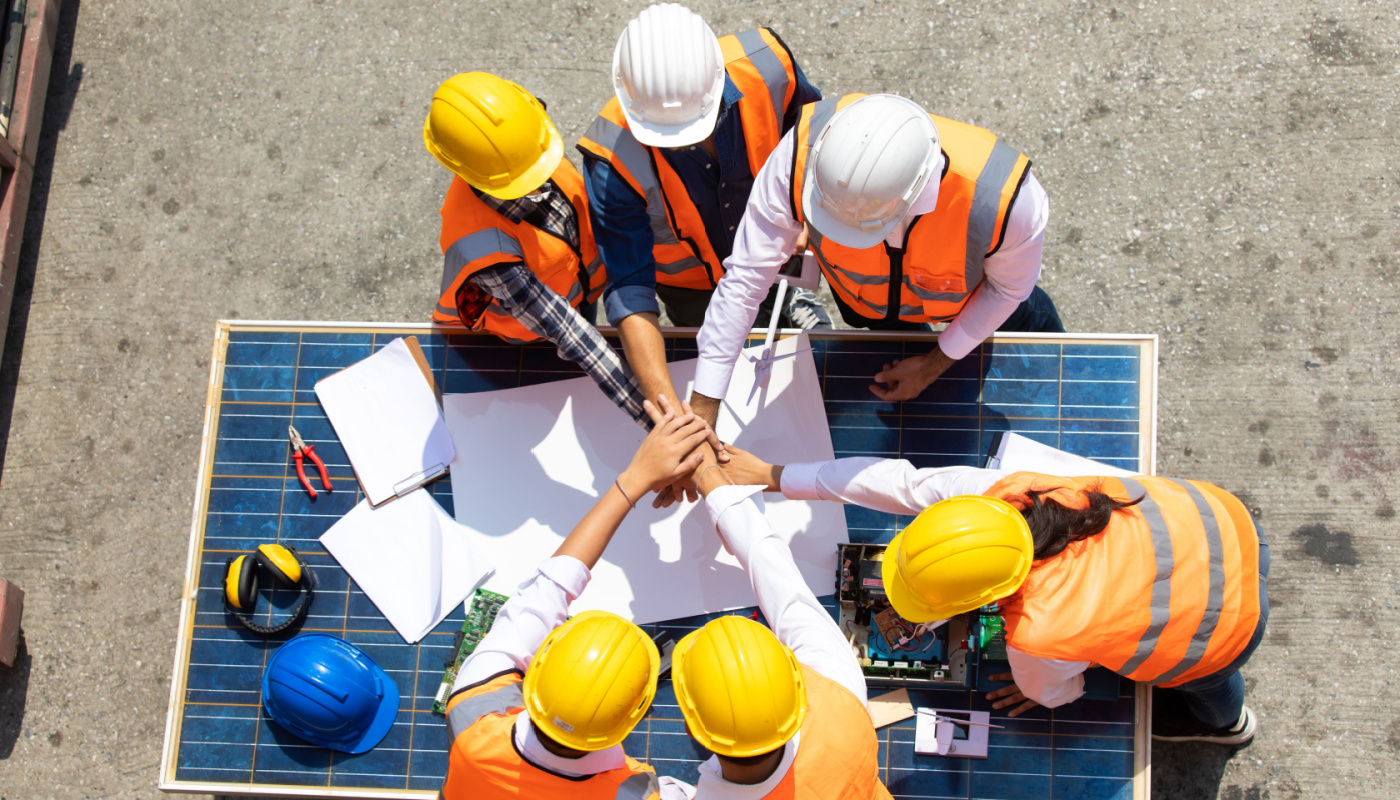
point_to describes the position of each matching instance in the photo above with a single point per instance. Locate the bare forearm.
(938, 362)
(591, 535)
(706, 408)
(645, 348)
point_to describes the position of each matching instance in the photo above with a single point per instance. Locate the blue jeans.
(1035, 314)
(1217, 700)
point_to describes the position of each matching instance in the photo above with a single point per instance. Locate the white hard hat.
(867, 167)
(668, 73)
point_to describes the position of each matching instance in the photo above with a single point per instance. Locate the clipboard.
(359, 411)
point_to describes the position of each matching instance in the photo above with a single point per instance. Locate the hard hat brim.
(905, 602)
(654, 135)
(383, 718)
(834, 229)
(533, 178)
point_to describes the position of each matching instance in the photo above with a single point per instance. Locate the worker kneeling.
(783, 711)
(541, 707)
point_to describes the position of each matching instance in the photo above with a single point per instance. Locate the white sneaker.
(806, 311)
(1237, 734)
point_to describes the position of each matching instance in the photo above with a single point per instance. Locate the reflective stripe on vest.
(978, 204)
(1215, 598)
(1161, 586)
(500, 701)
(632, 155)
(986, 204)
(774, 74)
(1161, 612)
(681, 249)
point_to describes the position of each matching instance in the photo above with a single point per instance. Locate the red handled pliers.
(302, 451)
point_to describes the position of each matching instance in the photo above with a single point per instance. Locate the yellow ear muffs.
(241, 585)
(281, 562)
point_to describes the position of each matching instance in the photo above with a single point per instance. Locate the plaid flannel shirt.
(520, 293)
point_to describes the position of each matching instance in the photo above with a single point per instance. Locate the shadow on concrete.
(14, 689)
(63, 90)
(1189, 770)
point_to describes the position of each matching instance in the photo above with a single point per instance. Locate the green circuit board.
(993, 638)
(480, 615)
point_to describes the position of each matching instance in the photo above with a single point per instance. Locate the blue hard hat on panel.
(329, 692)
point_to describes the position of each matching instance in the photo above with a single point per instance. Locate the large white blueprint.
(531, 461)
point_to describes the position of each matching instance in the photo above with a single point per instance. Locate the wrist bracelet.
(701, 476)
(624, 494)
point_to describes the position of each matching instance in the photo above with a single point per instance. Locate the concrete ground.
(1226, 179)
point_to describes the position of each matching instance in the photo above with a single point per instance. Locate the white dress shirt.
(792, 611)
(896, 487)
(767, 236)
(521, 626)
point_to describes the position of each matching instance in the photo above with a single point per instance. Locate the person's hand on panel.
(1010, 696)
(906, 378)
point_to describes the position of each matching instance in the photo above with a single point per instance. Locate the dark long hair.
(1054, 526)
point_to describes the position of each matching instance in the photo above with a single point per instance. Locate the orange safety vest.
(762, 68)
(484, 764)
(931, 278)
(475, 237)
(838, 757)
(1168, 593)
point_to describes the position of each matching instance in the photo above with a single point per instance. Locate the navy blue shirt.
(719, 188)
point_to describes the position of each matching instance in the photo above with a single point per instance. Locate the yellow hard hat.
(493, 134)
(592, 680)
(739, 688)
(959, 554)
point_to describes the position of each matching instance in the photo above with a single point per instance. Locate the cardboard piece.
(887, 709)
(532, 461)
(390, 425)
(11, 609)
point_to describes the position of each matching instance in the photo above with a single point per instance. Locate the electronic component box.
(893, 651)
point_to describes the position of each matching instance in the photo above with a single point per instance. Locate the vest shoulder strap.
(770, 59)
(502, 700)
(996, 170)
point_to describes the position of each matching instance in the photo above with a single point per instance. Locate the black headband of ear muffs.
(241, 584)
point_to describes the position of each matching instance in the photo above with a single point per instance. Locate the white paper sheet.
(388, 420)
(531, 461)
(411, 558)
(1017, 453)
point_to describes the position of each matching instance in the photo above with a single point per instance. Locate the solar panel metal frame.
(1147, 406)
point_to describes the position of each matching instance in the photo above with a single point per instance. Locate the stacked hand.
(746, 469)
(670, 453)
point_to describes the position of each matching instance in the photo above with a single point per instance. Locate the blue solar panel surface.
(1081, 397)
